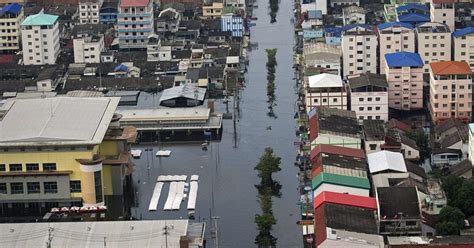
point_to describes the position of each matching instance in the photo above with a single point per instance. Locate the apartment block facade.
(135, 23)
(11, 17)
(88, 46)
(325, 90)
(450, 91)
(434, 43)
(40, 39)
(464, 45)
(89, 11)
(395, 37)
(404, 73)
(443, 11)
(359, 50)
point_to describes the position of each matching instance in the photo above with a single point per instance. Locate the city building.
(450, 91)
(471, 143)
(368, 94)
(321, 55)
(464, 45)
(386, 162)
(373, 132)
(11, 15)
(443, 11)
(398, 211)
(108, 12)
(404, 72)
(134, 23)
(395, 37)
(89, 11)
(62, 151)
(233, 23)
(335, 127)
(353, 15)
(168, 21)
(325, 90)
(88, 43)
(359, 49)
(40, 39)
(212, 10)
(412, 13)
(434, 43)
(330, 182)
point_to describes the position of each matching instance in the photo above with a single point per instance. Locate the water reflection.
(273, 9)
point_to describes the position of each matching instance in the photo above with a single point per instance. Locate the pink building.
(450, 91)
(404, 73)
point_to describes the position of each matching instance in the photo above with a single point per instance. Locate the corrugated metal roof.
(13, 8)
(462, 32)
(134, 3)
(39, 20)
(404, 59)
(412, 6)
(413, 17)
(354, 182)
(395, 24)
(450, 68)
(325, 80)
(386, 161)
(345, 199)
(337, 150)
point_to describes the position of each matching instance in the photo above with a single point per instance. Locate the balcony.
(134, 14)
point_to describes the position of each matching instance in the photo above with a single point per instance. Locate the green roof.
(39, 20)
(355, 182)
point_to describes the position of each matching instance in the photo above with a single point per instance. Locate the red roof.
(344, 199)
(337, 150)
(134, 3)
(450, 68)
(6, 58)
(444, 1)
(394, 123)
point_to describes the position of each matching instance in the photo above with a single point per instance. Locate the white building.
(40, 39)
(88, 43)
(11, 16)
(386, 162)
(325, 90)
(135, 23)
(89, 11)
(368, 95)
(443, 11)
(341, 3)
(232, 23)
(353, 15)
(434, 43)
(359, 49)
(464, 45)
(395, 37)
(321, 55)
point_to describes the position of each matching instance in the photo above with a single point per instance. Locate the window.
(33, 187)
(361, 99)
(373, 147)
(49, 166)
(377, 99)
(16, 188)
(75, 186)
(361, 108)
(50, 187)
(369, 108)
(3, 188)
(410, 223)
(16, 167)
(377, 108)
(2, 167)
(98, 186)
(334, 100)
(32, 167)
(369, 99)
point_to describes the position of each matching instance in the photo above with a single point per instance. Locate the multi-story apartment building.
(434, 43)
(233, 23)
(395, 37)
(40, 39)
(368, 94)
(212, 10)
(135, 23)
(443, 11)
(464, 45)
(61, 151)
(11, 16)
(108, 12)
(404, 73)
(359, 49)
(89, 11)
(88, 43)
(325, 90)
(450, 91)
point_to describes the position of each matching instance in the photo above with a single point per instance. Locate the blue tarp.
(413, 6)
(414, 18)
(121, 67)
(462, 32)
(395, 24)
(404, 59)
(13, 8)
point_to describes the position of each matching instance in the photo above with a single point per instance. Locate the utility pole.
(216, 230)
(166, 234)
(105, 242)
(50, 237)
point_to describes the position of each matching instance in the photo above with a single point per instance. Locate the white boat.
(136, 153)
(163, 153)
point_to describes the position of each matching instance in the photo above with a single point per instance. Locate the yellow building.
(10, 18)
(61, 151)
(212, 10)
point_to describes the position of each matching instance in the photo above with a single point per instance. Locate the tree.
(460, 193)
(268, 164)
(451, 185)
(447, 228)
(452, 214)
(265, 222)
(422, 142)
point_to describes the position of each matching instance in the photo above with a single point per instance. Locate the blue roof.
(395, 24)
(335, 31)
(121, 67)
(404, 59)
(413, 6)
(414, 17)
(13, 8)
(351, 26)
(315, 14)
(462, 32)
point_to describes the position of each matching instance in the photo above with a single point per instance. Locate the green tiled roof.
(355, 182)
(39, 19)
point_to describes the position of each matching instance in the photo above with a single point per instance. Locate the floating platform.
(155, 197)
(172, 178)
(192, 195)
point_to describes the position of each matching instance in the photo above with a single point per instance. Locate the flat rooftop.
(165, 114)
(56, 121)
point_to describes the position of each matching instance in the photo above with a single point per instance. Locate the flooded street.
(226, 169)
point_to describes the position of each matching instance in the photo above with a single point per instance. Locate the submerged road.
(226, 170)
